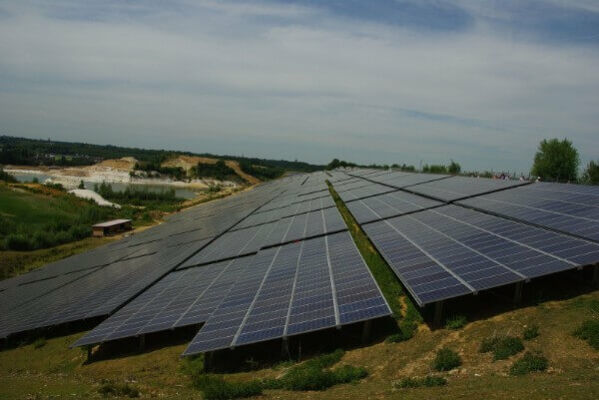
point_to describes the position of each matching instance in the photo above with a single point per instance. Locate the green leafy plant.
(502, 346)
(109, 388)
(456, 322)
(589, 331)
(531, 332)
(39, 343)
(529, 363)
(446, 360)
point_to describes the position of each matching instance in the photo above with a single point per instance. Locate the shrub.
(308, 378)
(118, 390)
(349, 373)
(502, 346)
(428, 381)
(39, 343)
(531, 332)
(216, 388)
(529, 363)
(446, 360)
(456, 322)
(589, 331)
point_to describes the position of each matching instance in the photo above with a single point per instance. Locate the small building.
(111, 227)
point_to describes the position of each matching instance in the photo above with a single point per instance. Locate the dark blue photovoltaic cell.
(450, 251)
(572, 209)
(371, 189)
(459, 187)
(310, 285)
(388, 205)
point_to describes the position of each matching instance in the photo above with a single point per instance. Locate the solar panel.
(572, 209)
(293, 289)
(400, 180)
(250, 240)
(361, 192)
(95, 294)
(460, 187)
(450, 251)
(388, 205)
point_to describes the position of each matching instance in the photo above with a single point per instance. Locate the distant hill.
(23, 151)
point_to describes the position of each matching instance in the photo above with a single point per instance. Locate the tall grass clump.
(529, 363)
(502, 346)
(531, 332)
(589, 331)
(446, 360)
(216, 388)
(109, 388)
(456, 322)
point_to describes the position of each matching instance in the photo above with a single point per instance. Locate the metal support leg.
(366, 327)
(285, 348)
(518, 293)
(438, 318)
(596, 275)
(208, 361)
(142, 342)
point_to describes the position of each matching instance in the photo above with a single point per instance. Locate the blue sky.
(480, 82)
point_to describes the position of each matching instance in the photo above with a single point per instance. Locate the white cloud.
(219, 77)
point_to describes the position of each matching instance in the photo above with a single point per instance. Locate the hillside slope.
(573, 373)
(188, 162)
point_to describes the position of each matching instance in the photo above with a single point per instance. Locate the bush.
(502, 346)
(589, 331)
(446, 360)
(118, 390)
(428, 381)
(531, 332)
(529, 363)
(39, 343)
(6, 177)
(407, 330)
(349, 373)
(216, 388)
(456, 322)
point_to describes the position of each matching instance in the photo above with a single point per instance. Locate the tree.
(454, 168)
(81, 185)
(591, 173)
(556, 160)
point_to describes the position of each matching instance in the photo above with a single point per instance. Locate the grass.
(529, 363)
(502, 347)
(456, 322)
(589, 331)
(313, 375)
(39, 343)
(531, 332)
(446, 360)
(118, 390)
(401, 305)
(427, 381)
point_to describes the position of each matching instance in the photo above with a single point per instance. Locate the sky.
(383, 81)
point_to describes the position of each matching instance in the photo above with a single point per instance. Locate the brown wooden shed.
(111, 227)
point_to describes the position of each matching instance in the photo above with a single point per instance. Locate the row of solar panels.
(95, 283)
(498, 232)
(424, 225)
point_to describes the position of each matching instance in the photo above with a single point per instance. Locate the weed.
(529, 363)
(39, 343)
(427, 381)
(216, 388)
(118, 390)
(531, 332)
(502, 346)
(456, 322)
(446, 360)
(589, 331)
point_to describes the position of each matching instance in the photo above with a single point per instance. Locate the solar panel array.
(293, 289)
(278, 261)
